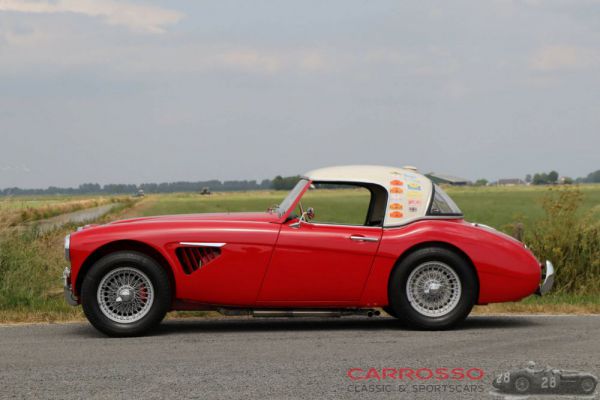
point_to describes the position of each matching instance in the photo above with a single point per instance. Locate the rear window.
(442, 204)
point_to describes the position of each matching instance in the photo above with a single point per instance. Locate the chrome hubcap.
(433, 289)
(125, 295)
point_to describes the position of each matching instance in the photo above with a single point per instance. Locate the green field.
(31, 263)
(499, 206)
(494, 206)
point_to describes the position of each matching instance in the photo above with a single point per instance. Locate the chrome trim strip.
(363, 238)
(202, 244)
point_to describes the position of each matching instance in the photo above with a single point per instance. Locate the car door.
(323, 263)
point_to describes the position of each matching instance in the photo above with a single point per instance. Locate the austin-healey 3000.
(382, 238)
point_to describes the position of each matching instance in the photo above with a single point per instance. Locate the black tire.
(588, 385)
(522, 384)
(151, 269)
(397, 290)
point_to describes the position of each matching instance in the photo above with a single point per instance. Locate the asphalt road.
(258, 359)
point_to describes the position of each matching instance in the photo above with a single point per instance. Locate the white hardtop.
(409, 192)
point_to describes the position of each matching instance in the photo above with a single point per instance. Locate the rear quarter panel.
(505, 269)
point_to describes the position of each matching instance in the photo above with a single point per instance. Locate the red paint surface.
(265, 262)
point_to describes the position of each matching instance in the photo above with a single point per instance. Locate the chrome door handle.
(364, 238)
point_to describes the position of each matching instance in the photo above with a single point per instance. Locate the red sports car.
(381, 237)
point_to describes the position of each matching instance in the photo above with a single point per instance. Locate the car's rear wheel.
(432, 288)
(522, 384)
(587, 385)
(125, 294)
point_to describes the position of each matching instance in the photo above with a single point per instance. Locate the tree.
(528, 178)
(284, 183)
(481, 182)
(593, 177)
(553, 177)
(540, 179)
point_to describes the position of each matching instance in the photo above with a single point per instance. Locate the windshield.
(291, 197)
(442, 204)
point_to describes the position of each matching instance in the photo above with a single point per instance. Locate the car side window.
(339, 204)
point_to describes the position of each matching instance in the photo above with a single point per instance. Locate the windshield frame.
(290, 201)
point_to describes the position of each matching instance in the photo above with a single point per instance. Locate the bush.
(570, 239)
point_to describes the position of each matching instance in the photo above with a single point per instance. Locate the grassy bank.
(15, 211)
(31, 265)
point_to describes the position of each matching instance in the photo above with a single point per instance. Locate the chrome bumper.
(548, 280)
(69, 296)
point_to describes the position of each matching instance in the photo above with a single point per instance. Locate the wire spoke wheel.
(522, 384)
(433, 289)
(125, 295)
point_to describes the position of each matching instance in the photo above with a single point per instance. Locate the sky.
(123, 91)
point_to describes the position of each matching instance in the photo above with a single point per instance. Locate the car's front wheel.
(522, 384)
(125, 294)
(432, 288)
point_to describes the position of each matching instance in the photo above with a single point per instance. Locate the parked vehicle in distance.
(405, 248)
(531, 379)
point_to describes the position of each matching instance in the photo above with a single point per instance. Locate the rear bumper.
(547, 279)
(68, 288)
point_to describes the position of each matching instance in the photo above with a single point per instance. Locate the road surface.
(75, 217)
(280, 358)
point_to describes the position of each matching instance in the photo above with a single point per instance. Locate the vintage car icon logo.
(539, 380)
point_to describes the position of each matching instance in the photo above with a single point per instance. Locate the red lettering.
(442, 374)
(373, 374)
(428, 374)
(389, 373)
(351, 374)
(409, 373)
(458, 374)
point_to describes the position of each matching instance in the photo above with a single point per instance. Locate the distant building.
(448, 179)
(511, 182)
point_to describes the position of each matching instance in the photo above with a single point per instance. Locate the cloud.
(138, 18)
(561, 57)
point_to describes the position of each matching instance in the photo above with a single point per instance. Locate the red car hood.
(238, 216)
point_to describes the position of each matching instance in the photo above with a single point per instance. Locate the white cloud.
(138, 18)
(562, 57)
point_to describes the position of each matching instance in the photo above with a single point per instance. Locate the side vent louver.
(193, 258)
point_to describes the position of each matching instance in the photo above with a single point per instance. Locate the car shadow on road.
(339, 324)
(247, 324)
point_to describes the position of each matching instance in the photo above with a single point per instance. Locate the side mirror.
(305, 217)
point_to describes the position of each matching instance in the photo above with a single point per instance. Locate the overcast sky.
(128, 91)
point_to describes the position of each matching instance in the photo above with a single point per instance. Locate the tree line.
(543, 178)
(278, 183)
